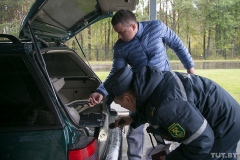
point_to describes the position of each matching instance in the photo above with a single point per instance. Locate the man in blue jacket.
(141, 44)
(181, 107)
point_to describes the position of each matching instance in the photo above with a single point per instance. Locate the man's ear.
(134, 26)
(127, 99)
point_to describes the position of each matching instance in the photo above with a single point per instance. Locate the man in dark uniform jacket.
(182, 107)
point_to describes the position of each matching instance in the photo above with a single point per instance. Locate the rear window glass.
(61, 65)
(21, 101)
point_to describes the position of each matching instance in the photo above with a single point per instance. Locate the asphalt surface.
(147, 144)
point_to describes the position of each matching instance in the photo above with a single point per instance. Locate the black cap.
(118, 83)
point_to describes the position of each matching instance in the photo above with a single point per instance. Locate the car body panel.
(42, 119)
(35, 135)
(38, 144)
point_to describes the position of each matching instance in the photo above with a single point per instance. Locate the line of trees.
(12, 13)
(203, 25)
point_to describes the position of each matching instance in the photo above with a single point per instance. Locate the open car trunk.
(74, 82)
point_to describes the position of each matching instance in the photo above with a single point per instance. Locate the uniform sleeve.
(175, 43)
(118, 62)
(186, 125)
(137, 120)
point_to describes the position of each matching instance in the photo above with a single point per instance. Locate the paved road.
(147, 144)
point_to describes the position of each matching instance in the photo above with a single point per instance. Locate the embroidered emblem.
(152, 110)
(176, 130)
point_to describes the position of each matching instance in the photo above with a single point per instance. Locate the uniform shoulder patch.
(176, 130)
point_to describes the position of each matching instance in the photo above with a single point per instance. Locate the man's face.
(128, 102)
(126, 33)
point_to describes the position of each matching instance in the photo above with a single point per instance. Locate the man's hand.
(191, 70)
(94, 99)
(162, 157)
(128, 120)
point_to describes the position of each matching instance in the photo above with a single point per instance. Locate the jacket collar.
(140, 30)
(144, 83)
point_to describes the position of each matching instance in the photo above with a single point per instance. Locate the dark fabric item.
(179, 112)
(119, 83)
(226, 145)
(223, 155)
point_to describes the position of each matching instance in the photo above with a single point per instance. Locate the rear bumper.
(114, 148)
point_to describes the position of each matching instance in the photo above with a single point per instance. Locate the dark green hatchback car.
(45, 87)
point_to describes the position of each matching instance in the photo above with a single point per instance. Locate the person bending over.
(181, 107)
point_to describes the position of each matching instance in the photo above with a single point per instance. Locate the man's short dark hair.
(124, 16)
(131, 92)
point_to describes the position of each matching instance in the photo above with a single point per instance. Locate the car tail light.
(90, 152)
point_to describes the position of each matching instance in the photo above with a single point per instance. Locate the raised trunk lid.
(54, 20)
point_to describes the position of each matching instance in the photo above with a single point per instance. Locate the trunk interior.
(75, 82)
(74, 94)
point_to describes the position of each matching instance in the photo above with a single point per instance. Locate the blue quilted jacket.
(148, 48)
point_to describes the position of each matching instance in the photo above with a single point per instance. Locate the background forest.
(209, 28)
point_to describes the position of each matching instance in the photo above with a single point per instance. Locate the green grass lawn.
(175, 61)
(227, 78)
